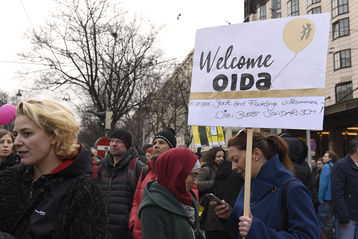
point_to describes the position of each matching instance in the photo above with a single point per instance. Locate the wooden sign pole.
(248, 172)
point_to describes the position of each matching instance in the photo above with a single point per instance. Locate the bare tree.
(4, 98)
(167, 107)
(90, 129)
(95, 55)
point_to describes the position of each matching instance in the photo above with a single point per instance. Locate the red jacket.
(134, 221)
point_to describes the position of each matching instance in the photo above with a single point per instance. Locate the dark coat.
(266, 209)
(118, 191)
(297, 151)
(228, 183)
(64, 204)
(11, 160)
(206, 180)
(163, 216)
(345, 190)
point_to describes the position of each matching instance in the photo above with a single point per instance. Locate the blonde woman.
(52, 195)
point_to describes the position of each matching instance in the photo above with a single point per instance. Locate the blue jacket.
(265, 203)
(324, 191)
(345, 190)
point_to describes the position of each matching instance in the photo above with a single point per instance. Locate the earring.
(257, 159)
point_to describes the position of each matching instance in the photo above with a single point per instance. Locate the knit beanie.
(123, 135)
(169, 136)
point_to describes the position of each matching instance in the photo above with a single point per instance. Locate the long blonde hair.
(55, 119)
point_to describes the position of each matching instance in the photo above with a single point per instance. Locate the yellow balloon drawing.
(298, 34)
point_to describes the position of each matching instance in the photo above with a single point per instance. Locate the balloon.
(7, 113)
(298, 34)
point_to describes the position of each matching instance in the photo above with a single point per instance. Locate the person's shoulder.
(84, 182)
(139, 163)
(13, 171)
(206, 168)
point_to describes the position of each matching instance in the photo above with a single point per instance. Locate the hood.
(173, 168)
(224, 169)
(297, 149)
(155, 195)
(77, 165)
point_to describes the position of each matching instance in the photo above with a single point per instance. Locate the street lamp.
(19, 93)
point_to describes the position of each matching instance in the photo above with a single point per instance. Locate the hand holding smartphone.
(212, 197)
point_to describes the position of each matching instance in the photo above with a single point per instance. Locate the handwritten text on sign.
(296, 112)
(241, 78)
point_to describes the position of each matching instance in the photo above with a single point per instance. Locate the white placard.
(239, 69)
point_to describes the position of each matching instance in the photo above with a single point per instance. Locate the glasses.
(195, 175)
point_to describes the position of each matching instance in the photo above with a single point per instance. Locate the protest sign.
(263, 74)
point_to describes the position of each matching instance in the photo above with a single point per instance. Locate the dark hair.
(4, 132)
(269, 146)
(210, 156)
(332, 155)
(353, 145)
(147, 146)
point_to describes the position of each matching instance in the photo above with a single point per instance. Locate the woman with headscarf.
(8, 157)
(280, 205)
(162, 142)
(52, 195)
(169, 209)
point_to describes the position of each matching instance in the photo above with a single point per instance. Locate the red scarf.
(173, 167)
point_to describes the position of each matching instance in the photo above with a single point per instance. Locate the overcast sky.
(176, 39)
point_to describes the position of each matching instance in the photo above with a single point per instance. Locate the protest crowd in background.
(167, 196)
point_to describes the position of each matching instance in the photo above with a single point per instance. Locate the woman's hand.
(223, 210)
(244, 225)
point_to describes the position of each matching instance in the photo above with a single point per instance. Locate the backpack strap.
(132, 172)
(284, 204)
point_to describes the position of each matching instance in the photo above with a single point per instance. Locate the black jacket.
(118, 191)
(64, 204)
(228, 183)
(11, 160)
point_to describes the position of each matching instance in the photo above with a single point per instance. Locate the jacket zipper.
(109, 192)
(31, 188)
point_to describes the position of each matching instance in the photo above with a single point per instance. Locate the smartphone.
(212, 197)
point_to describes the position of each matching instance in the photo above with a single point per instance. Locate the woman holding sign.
(281, 206)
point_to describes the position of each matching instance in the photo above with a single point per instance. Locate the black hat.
(169, 136)
(123, 135)
(297, 149)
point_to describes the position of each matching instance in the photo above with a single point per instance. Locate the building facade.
(341, 101)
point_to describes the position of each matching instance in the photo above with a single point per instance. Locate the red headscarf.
(173, 167)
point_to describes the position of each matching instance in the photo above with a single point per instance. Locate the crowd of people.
(52, 186)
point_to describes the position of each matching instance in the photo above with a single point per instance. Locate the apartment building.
(341, 101)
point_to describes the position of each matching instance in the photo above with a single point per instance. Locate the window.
(278, 4)
(262, 12)
(314, 10)
(293, 8)
(342, 59)
(278, 14)
(310, 2)
(339, 7)
(344, 92)
(340, 28)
